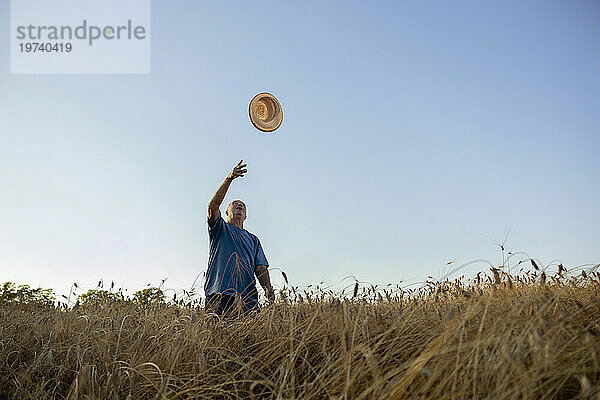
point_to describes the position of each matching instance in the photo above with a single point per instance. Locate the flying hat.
(265, 112)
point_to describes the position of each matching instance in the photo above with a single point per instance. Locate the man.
(236, 255)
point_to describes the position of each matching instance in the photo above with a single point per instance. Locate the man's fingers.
(239, 170)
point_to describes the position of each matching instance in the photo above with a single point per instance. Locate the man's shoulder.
(216, 226)
(252, 235)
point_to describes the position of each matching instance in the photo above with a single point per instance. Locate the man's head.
(236, 210)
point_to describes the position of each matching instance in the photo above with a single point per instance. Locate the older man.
(236, 255)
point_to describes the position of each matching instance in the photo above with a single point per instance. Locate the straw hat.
(265, 112)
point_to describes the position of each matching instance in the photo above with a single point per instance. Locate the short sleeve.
(217, 227)
(260, 258)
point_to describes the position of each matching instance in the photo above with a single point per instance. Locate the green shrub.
(98, 297)
(24, 294)
(149, 296)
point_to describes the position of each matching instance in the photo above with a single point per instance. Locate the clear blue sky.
(414, 134)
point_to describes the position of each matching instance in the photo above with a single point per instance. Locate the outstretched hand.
(238, 171)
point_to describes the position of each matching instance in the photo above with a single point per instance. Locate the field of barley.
(529, 335)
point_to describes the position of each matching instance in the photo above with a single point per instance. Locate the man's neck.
(238, 222)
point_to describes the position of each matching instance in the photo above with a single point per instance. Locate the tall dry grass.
(524, 336)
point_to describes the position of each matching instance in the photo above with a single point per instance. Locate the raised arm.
(217, 199)
(262, 273)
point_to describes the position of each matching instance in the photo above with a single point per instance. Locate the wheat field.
(494, 336)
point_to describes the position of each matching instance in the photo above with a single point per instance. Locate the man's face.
(237, 209)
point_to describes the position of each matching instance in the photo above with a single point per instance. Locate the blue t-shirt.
(233, 255)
